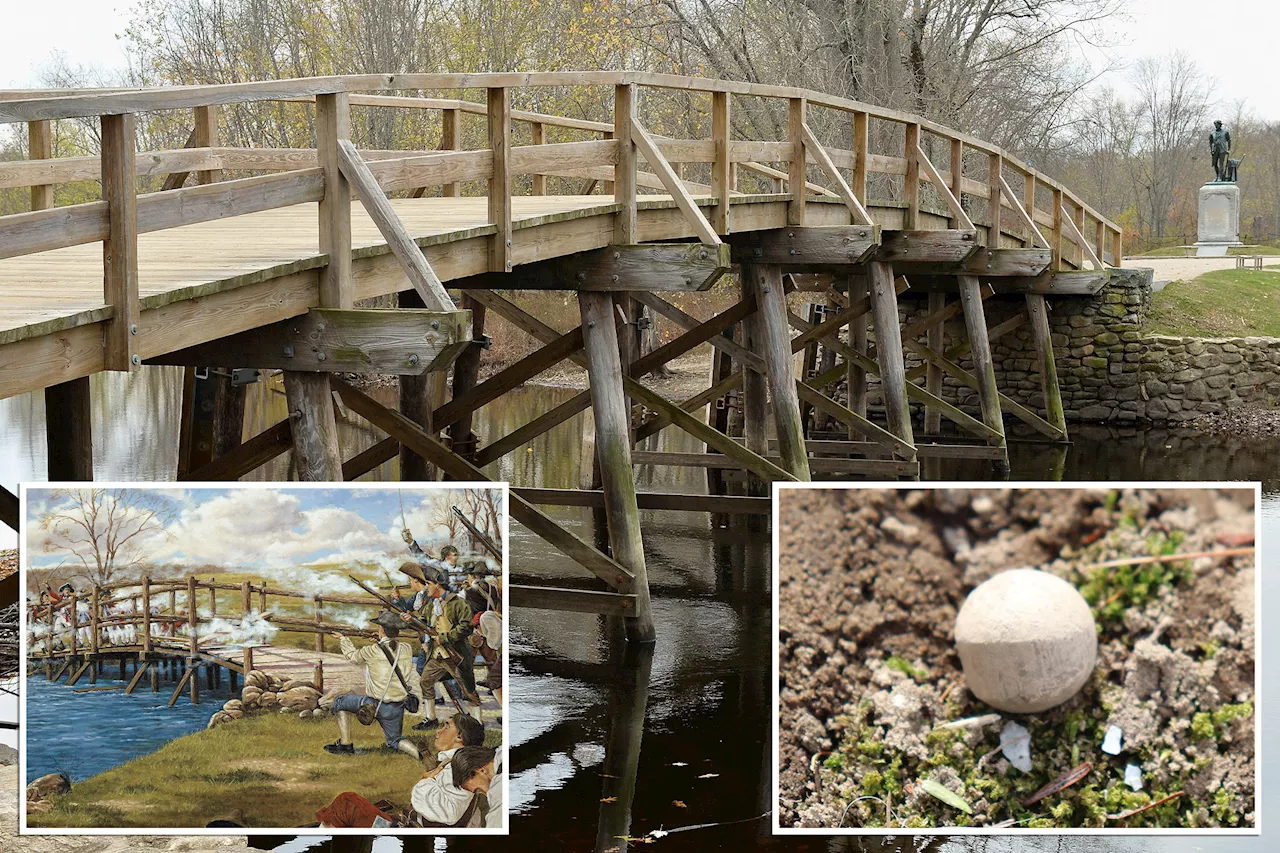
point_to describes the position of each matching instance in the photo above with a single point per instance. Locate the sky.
(272, 530)
(1236, 48)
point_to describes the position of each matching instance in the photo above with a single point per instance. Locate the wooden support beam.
(933, 379)
(1038, 311)
(796, 167)
(333, 123)
(511, 377)
(648, 149)
(856, 378)
(182, 683)
(418, 397)
(819, 465)
(911, 182)
(1076, 283)
(612, 417)
(900, 247)
(860, 151)
(762, 284)
(808, 391)
(844, 191)
(313, 426)
(1024, 214)
(40, 147)
(1077, 232)
(500, 183)
(545, 422)
(137, 675)
(572, 600)
(985, 263)
(755, 403)
(814, 248)
(646, 266)
(959, 218)
(721, 167)
(957, 175)
(120, 249)
(205, 133)
(673, 501)
(384, 451)
(1056, 238)
(249, 456)
(983, 363)
(79, 672)
(332, 340)
(68, 429)
(466, 370)
(893, 383)
(416, 268)
(995, 165)
(624, 171)
(407, 432)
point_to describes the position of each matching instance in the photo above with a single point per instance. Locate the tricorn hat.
(388, 620)
(413, 570)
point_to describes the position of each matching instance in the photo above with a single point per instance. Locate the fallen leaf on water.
(608, 799)
(936, 789)
(679, 804)
(708, 775)
(679, 764)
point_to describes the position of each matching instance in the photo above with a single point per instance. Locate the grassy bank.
(272, 766)
(1221, 303)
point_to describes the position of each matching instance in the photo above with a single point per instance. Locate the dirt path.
(1182, 269)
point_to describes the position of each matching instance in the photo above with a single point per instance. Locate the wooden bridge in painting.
(861, 206)
(162, 631)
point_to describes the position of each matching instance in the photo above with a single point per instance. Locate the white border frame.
(1256, 487)
(503, 487)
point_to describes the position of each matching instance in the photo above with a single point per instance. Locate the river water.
(703, 694)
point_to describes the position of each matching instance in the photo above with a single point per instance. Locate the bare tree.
(104, 531)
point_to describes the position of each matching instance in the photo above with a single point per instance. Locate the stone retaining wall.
(1108, 370)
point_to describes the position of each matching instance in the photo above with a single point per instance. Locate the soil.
(1245, 421)
(870, 584)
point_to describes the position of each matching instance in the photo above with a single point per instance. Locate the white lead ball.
(1027, 641)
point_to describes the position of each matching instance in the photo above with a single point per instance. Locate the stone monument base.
(1218, 223)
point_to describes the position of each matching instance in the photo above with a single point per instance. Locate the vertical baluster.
(120, 249)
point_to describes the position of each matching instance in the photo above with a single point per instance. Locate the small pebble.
(1111, 743)
(1015, 744)
(1133, 776)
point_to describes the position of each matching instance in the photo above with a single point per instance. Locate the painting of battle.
(256, 658)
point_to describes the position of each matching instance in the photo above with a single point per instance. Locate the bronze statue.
(1219, 148)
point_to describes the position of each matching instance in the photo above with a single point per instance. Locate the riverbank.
(272, 767)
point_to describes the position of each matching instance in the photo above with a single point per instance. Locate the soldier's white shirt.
(437, 799)
(378, 675)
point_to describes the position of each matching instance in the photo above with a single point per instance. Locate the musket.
(480, 537)
(414, 622)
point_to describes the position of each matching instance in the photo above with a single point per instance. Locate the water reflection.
(689, 722)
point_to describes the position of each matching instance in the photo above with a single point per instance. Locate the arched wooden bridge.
(263, 271)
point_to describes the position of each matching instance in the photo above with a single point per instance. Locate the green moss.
(1227, 713)
(1202, 726)
(835, 762)
(872, 783)
(906, 668)
(1209, 648)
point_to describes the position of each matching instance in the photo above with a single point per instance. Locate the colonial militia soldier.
(431, 566)
(450, 616)
(416, 603)
(1219, 149)
(389, 682)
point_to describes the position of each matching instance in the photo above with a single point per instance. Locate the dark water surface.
(585, 728)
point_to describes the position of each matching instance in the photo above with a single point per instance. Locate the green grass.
(1222, 303)
(272, 766)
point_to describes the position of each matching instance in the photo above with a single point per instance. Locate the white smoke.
(250, 630)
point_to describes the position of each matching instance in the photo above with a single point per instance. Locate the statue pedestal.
(1219, 219)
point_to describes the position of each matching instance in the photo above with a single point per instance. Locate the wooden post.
(957, 173)
(755, 404)
(500, 183)
(994, 165)
(333, 122)
(860, 150)
(624, 172)
(718, 416)
(213, 598)
(450, 140)
(206, 121)
(984, 368)
(1029, 202)
(1056, 239)
(93, 621)
(155, 678)
(1100, 239)
(262, 597)
(317, 676)
(40, 147)
(1038, 310)
(911, 185)
(856, 377)
(796, 173)
(248, 660)
(1117, 244)
(246, 597)
(933, 376)
(765, 283)
(1079, 221)
(416, 404)
(120, 249)
(893, 370)
(539, 132)
(721, 180)
(191, 617)
(75, 623)
(466, 370)
(613, 449)
(315, 431)
(318, 601)
(68, 429)
(146, 615)
(194, 678)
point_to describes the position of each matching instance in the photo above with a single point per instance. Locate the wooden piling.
(984, 368)
(893, 371)
(856, 376)
(466, 370)
(755, 404)
(146, 615)
(416, 403)
(765, 283)
(68, 429)
(1039, 313)
(192, 616)
(315, 431)
(613, 449)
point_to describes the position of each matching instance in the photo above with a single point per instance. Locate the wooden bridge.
(162, 630)
(854, 203)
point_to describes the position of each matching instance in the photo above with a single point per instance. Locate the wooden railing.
(1031, 209)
